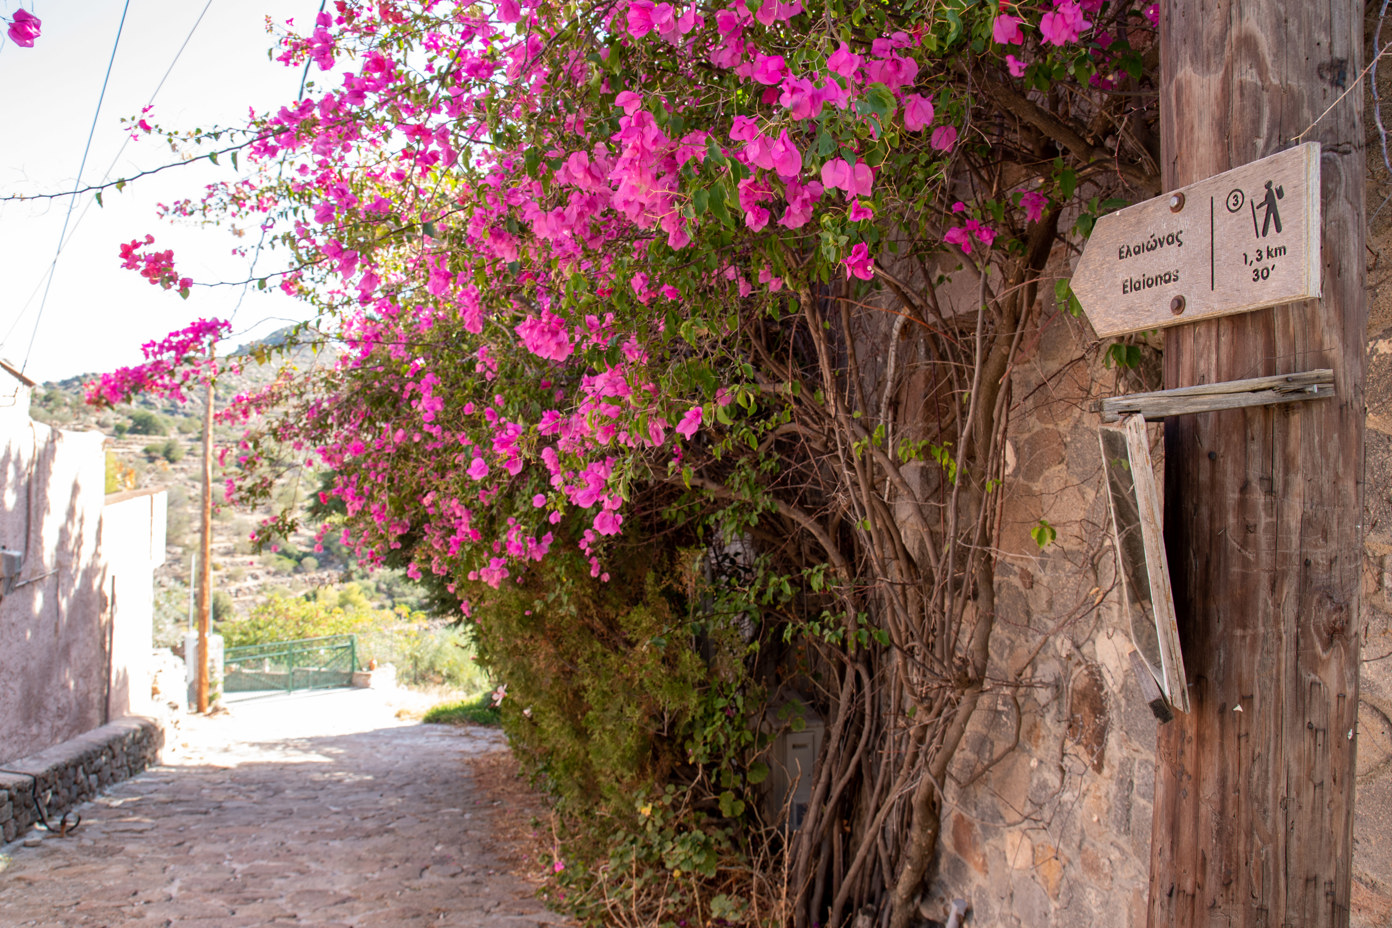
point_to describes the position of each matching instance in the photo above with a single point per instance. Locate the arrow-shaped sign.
(1238, 241)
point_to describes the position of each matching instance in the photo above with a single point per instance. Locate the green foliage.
(145, 422)
(635, 688)
(477, 711)
(223, 608)
(424, 651)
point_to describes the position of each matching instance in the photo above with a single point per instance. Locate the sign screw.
(1176, 202)
(1177, 305)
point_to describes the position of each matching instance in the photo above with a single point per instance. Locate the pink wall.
(57, 660)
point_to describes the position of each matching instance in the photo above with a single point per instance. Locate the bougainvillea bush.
(730, 290)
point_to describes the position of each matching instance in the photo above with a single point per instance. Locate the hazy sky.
(97, 314)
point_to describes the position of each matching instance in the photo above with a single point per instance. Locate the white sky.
(97, 314)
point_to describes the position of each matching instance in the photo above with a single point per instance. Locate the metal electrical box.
(11, 563)
(792, 763)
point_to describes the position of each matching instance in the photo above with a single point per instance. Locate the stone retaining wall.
(75, 771)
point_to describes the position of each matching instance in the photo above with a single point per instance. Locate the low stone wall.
(75, 771)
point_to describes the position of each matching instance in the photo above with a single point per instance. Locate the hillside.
(155, 442)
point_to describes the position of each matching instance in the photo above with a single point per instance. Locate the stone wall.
(73, 772)
(1049, 801)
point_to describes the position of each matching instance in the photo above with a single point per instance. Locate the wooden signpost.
(1237, 241)
(1263, 505)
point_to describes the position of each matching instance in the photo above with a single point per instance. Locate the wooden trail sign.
(1237, 241)
(1140, 548)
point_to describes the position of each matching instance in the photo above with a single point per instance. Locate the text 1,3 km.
(1259, 260)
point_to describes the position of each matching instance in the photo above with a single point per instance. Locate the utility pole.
(205, 573)
(1254, 789)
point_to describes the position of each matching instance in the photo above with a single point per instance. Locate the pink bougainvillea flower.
(858, 262)
(690, 422)
(1006, 30)
(856, 180)
(944, 137)
(509, 11)
(1033, 203)
(24, 28)
(844, 62)
(640, 18)
(1152, 14)
(787, 160)
(743, 129)
(960, 237)
(918, 112)
(860, 211)
(769, 70)
(802, 98)
(607, 522)
(1063, 24)
(1015, 65)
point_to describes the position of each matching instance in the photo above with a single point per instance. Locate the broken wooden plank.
(1211, 397)
(1150, 690)
(1140, 545)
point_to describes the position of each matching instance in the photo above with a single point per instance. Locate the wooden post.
(205, 573)
(1254, 789)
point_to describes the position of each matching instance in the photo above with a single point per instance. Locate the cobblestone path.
(319, 811)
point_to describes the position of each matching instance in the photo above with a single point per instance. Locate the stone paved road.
(317, 810)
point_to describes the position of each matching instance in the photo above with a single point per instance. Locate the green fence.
(303, 664)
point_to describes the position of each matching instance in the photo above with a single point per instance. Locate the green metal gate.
(303, 664)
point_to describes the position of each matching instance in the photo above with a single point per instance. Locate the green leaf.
(212, 156)
(1068, 182)
(99, 200)
(879, 99)
(1043, 533)
(758, 773)
(700, 201)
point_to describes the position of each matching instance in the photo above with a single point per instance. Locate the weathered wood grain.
(1232, 394)
(1254, 809)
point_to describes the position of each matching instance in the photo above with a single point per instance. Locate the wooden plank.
(1232, 243)
(1253, 810)
(1231, 394)
(1150, 688)
(1140, 546)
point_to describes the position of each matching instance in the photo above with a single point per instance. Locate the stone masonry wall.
(75, 771)
(1048, 812)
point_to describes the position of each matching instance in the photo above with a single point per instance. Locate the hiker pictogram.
(1271, 213)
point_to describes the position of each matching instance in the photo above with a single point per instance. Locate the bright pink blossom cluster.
(155, 266)
(170, 365)
(563, 267)
(24, 28)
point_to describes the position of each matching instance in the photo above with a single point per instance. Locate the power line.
(111, 167)
(81, 167)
